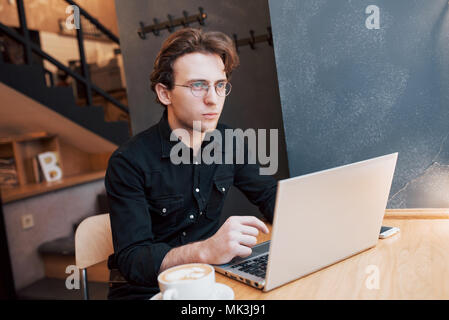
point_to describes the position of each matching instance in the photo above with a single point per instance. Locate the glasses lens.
(199, 89)
(223, 88)
(199, 92)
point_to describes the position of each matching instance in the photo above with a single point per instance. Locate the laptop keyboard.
(256, 267)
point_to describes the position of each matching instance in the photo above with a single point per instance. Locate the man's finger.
(254, 222)
(247, 240)
(243, 251)
(249, 230)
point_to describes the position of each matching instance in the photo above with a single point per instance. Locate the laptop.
(319, 219)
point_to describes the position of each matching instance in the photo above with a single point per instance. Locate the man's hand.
(236, 237)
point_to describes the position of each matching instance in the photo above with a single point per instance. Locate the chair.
(93, 244)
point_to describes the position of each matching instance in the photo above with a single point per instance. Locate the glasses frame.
(204, 90)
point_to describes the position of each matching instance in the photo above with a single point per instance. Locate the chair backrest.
(93, 241)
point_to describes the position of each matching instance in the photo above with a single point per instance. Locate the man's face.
(185, 107)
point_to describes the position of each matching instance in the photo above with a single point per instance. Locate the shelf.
(33, 189)
(26, 137)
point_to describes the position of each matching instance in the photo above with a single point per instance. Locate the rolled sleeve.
(137, 256)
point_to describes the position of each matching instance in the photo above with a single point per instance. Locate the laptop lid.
(327, 216)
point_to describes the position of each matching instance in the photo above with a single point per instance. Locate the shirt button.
(192, 216)
(164, 210)
(223, 189)
(201, 213)
(197, 190)
(184, 234)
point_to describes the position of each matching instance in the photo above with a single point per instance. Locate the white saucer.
(221, 292)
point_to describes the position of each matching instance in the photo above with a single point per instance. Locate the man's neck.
(194, 140)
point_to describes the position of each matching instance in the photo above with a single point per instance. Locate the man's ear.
(163, 94)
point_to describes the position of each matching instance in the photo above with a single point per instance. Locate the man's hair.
(189, 40)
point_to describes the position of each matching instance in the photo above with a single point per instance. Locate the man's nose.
(211, 96)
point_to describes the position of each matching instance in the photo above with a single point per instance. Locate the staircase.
(88, 139)
(30, 80)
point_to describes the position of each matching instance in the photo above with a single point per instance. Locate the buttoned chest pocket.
(217, 197)
(165, 212)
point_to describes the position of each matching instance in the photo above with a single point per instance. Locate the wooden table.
(413, 264)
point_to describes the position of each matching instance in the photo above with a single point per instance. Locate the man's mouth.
(210, 115)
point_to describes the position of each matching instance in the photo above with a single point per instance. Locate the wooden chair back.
(93, 241)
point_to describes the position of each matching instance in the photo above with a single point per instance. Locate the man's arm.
(137, 256)
(238, 234)
(236, 237)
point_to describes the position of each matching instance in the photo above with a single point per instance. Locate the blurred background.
(80, 93)
(72, 96)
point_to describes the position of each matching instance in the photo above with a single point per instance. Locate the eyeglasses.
(201, 88)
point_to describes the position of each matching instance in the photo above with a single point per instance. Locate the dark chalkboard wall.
(349, 93)
(254, 101)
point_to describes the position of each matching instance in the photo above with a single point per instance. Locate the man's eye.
(198, 85)
(221, 85)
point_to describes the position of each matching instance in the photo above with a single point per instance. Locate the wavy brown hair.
(189, 40)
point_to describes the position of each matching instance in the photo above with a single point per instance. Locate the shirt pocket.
(165, 212)
(220, 188)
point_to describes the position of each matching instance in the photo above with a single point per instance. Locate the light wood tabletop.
(413, 264)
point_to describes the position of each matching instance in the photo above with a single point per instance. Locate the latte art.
(187, 272)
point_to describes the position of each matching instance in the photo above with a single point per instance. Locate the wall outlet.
(27, 221)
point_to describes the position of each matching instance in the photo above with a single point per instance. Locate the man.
(165, 214)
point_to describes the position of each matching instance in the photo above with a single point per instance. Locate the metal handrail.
(95, 22)
(35, 48)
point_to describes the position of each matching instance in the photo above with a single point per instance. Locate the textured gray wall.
(349, 93)
(254, 101)
(54, 214)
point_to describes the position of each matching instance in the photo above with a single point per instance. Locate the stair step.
(119, 131)
(59, 96)
(30, 80)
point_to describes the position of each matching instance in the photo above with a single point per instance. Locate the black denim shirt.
(156, 205)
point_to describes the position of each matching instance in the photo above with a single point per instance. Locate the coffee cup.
(193, 281)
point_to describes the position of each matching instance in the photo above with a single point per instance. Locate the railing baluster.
(84, 77)
(24, 30)
(95, 22)
(84, 66)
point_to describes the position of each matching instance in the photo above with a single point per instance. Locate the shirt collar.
(165, 132)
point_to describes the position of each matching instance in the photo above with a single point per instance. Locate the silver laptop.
(319, 219)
